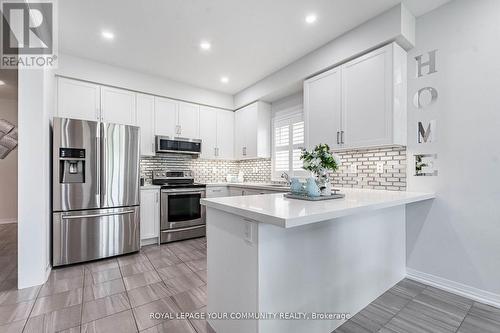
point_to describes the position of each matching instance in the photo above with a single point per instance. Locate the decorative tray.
(334, 195)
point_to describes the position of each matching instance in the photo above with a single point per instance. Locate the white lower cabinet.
(150, 216)
(217, 191)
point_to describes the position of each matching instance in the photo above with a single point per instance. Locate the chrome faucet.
(286, 177)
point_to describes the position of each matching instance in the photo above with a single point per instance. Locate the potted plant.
(320, 161)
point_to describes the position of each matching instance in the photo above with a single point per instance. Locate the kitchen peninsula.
(270, 254)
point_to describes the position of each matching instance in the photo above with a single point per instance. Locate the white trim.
(473, 293)
(149, 241)
(7, 221)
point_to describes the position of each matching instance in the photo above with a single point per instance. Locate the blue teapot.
(296, 186)
(312, 188)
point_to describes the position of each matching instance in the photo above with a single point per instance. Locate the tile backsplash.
(208, 171)
(393, 176)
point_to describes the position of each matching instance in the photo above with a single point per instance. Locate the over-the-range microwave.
(166, 144)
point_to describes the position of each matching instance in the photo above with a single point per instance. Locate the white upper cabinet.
(252, 135)
(371, 96)
(146, 121)
(225, 134)
(216, 133)
(188, 117)
(323, 109)
(208, 132)
(165, 116)
(78, 99)
(118, 106)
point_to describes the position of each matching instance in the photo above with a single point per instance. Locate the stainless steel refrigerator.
(95, 190)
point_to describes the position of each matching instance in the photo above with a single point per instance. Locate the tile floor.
(118, 295)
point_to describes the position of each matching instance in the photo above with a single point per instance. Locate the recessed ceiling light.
(2, 83)
(107, 34)
(311, 18)
(224, 79)
(205, 45)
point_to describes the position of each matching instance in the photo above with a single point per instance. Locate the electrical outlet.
(380, 167)
(353, 168)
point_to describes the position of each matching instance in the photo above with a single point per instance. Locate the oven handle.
(184, 229)
(179, 192)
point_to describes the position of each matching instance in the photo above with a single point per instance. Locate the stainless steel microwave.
(166, 144)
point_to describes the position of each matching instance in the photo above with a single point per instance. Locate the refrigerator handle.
(104, 165)
(98, 165)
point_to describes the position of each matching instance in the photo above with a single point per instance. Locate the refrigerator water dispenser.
(72, 165)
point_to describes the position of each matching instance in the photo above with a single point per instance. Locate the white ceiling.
(250, 38)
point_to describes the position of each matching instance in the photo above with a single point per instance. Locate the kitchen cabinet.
(188, 120)
(323, 108)
(217, 191)
(118, 106)
(217, 133)
(252, 134)
(150, 215)
(165, 116)
(359, 104)
(146, 121)
(77, 99)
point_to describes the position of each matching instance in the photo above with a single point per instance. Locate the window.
(288, 141)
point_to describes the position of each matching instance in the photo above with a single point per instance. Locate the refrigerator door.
(75, 164)
(119, 165)
(94, 234)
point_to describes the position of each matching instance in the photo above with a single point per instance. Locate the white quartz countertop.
(278, 210)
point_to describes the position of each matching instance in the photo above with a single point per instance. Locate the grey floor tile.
(172, 326)
(372, 318)
(102, 265)
(14, 312)
(180, 247)
(55, 321)
(174, 271)
(105, 275)
(193, 255)
(96, 291)
(352, 327)
(132, 259)
(475, 324)
(147, 294)
(57, 301)
(18, 295)
(66, 272)
(165, 260)
(14, 327)
(453, 307)
(485, 311)
(136, 268)
(183, 283)
(60, 286)
(192, 299)
(409, 288)
(143, 313)
(122, 322)
(202, 275)
(392, 302)
(197, 265)
(448, 298)
(75, 329)
(104, 307)
(141, 280)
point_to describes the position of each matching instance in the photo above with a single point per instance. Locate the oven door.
(181, 208)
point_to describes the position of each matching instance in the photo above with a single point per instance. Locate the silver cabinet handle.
(338, 137)
(244, 151)
(156, 196)
(216, 190)
(183, 229)
(153, 147)
(72, 217)
(342, 137)
(215, 151)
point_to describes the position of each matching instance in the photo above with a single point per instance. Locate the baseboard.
(7, 221)
(473, 293)
(149, 241)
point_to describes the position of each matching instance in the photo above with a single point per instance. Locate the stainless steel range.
(181, 214)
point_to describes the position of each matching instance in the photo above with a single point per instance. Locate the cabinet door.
(367, 99)
(239, 133)
(250, 123)
(217, 192)
(145, 120)
(165, 116)
(225, 134)
(188, 120)
(208, 132)
(323, 108)
(118, 106)
(78, 99)
(150, 213)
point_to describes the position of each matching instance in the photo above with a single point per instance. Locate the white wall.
(89, 70)
(397, 24)
(291, 103)
(456, 240)
(34, 113)
(8, 169)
